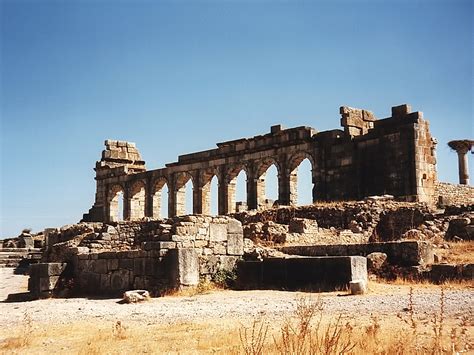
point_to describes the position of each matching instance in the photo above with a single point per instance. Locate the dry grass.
(204, 287)
(309, 330)
(461, 252)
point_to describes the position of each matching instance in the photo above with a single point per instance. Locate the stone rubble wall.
(336, 223)
(109, 259)
(453, 194)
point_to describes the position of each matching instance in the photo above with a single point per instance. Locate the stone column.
(126, 203)
(200, 205)
(148, 198)
(252, 191)
(225, 200)
(285, 193)
(463, 167)
(462, 147)
(172, 196)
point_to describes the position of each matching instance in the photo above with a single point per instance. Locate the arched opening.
(214, 194)
(115, 203)
(267, 185)
(236, 190)
(304, 185)
(164, 202)
(137, 201)
(189, 197)
(240, 203)
(301, 180)
(160, 199)
(184, 194)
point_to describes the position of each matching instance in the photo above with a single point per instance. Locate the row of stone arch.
(143, 197)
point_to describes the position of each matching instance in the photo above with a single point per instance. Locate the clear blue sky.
(177, 77)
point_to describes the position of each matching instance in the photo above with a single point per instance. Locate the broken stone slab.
(135, 296)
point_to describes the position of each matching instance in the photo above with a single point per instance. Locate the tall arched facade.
(368, 157)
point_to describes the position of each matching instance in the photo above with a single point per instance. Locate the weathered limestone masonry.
(153, 255)
(452, 194)
(393, 156)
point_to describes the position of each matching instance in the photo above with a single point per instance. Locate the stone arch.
(156, 193)
(136, 200)
(261, 173)
(231, 182)
(293, 163)
(206, 177)
(182, 179)
(115, 197)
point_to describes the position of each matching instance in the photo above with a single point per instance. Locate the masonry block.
(120, 280)
(320, 273)
(217, 232)
(184, 267)
(235, 244)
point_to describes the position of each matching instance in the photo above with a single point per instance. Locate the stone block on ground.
(184, 267)
(135, 296)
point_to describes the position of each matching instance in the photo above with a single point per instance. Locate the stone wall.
(395, 155)
(403, 253)
(155, 255)
(453, 194)
(361, 221)
(303, 273)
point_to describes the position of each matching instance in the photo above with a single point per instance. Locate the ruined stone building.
(368, 156)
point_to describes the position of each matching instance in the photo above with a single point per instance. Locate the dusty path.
(382, 300)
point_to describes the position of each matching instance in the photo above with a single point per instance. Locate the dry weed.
(24, 339)
(253, 340)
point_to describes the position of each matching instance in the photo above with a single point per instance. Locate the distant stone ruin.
(369, 156)
(386, 167)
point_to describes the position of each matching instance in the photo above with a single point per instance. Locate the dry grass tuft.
(204, 287)
(23, 339)
(461, 252)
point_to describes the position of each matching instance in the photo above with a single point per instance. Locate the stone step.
(20, 250)
(11, 257)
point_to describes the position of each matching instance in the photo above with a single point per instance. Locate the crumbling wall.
(108, 259)
(336, 223)
(395, 156)
(447, 194)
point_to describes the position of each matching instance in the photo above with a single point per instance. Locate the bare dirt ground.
(220, 308)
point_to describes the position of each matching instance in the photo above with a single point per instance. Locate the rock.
(460, 227)
(375, 261)
(354, 227)
(358, 287)
(135, 296)
(303, 225)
